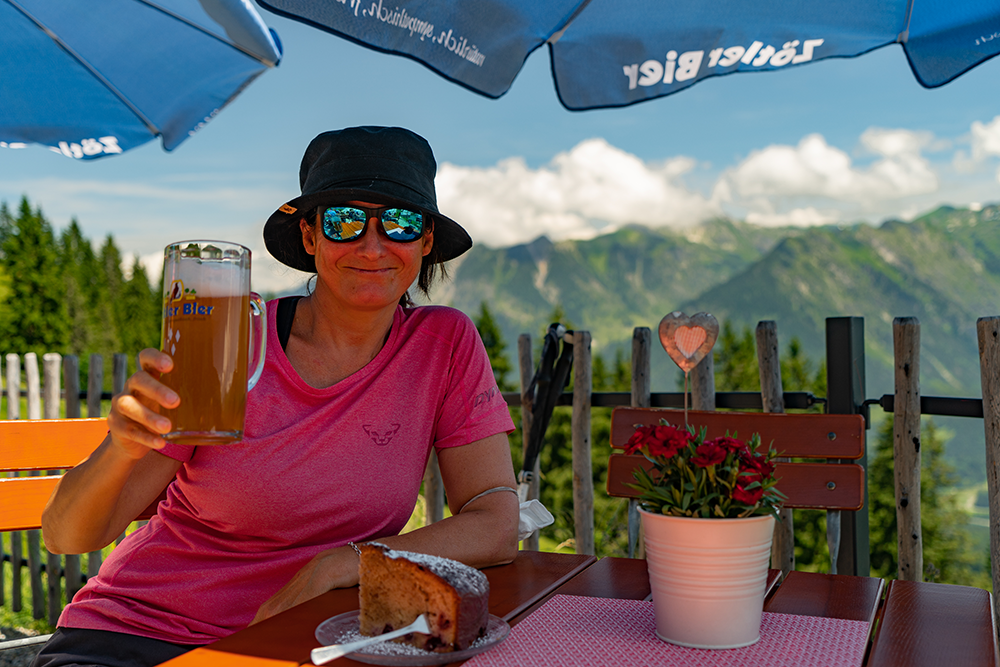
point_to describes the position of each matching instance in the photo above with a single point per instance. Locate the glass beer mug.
(207, 312)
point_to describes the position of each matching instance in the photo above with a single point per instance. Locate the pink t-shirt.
(317, 468)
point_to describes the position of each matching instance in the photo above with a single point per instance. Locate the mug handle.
(258, 340)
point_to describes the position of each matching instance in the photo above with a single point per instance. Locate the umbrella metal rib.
(559, 33)
(199, 28)
(904, 34)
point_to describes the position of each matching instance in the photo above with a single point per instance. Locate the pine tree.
(735, 358)
(91, 309)
(495, 345)
(34, 309)
(143, 306)
(945, 527)
(109, 261)
(75, 257)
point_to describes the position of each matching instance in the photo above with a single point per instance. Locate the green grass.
(24, 620)
(21, 620)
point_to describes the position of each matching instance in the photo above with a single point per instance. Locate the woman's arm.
(95, 501)
(483, 533)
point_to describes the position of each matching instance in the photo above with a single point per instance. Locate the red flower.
(663, 441)
(727, 443)
(748, 497)
(639, 439)
(708, 454)
(668, 441)
(758, 467)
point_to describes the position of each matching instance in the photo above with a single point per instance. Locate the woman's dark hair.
(430, 265)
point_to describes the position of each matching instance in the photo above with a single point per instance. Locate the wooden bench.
(815, 471)
(40, 445)
(38, 451)
(822, 482)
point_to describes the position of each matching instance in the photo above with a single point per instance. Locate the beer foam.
(208, 277)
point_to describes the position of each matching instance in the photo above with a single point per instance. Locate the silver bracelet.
(355, 547)
(486, 493)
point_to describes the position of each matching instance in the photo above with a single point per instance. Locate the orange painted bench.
(47, 445)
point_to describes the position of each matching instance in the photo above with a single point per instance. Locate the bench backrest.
(820, 482)
(49, 445)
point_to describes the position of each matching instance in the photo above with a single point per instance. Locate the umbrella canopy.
(609, 53)
(97, 78)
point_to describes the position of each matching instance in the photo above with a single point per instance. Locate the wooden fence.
(847, 531)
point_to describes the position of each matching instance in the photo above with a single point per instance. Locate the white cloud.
(813, 168)
(895, 143)
(590, 189)
(985, 139)
(797, 217)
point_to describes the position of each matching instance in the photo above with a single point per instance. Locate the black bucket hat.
(382, 165)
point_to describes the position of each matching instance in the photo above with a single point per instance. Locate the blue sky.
(833, 141)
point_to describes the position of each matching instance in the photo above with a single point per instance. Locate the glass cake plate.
(343, 628)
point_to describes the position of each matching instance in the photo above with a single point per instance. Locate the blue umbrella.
(96, 78)
(610, 53)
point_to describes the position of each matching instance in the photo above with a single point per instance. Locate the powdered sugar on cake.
(460, 575)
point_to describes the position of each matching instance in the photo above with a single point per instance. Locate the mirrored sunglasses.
(347, 223)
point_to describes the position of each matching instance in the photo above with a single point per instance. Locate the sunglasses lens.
(343, 223)
(402, 225)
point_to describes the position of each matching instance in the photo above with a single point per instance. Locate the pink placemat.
(570, 630)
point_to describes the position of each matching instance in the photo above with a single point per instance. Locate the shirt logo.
(485, 397)
(383, 437)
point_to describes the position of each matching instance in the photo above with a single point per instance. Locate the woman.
(357, 389)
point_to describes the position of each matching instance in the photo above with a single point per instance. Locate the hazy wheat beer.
(207, 308)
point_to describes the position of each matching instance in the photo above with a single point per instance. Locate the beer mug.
(207, 312)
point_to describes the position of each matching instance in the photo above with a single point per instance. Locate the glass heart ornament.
(688, 339)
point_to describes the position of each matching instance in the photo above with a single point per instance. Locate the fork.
(325, 654)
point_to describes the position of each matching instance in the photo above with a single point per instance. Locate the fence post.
(703, 384)
(13, 386)
(34, 385)
(526, 366)
(988, 333)
(52, 371)
(906, 447)
(34, 536)
(433, 491)
(640, 398)
(71, 384)
(16, 539)
(119, 374)
(583, 476)
(52, 387)
(845, 382)
(773, 399)
(95, 387)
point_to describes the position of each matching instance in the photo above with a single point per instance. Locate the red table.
(286, 639)
(914, 624)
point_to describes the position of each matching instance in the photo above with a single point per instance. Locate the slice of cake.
(398, 586)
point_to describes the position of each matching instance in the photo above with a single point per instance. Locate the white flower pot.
(708, 578)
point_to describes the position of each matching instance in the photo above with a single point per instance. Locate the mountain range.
(942, 267)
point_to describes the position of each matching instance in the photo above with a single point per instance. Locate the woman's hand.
(335, 568)
(135, 426)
